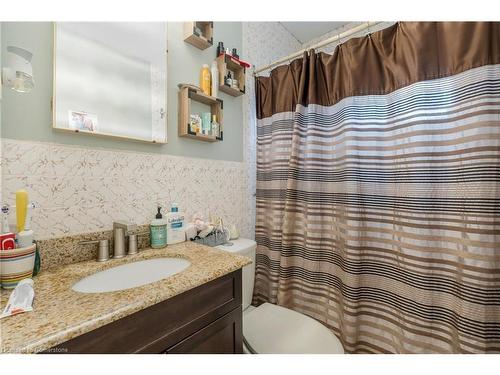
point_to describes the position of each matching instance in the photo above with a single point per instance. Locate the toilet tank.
(245, 247)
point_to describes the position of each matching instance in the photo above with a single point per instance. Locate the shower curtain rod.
(333, 39)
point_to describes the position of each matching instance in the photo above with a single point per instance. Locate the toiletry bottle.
(234, 84)
(206, 123)
(235, 53)
(215, 126)
(215, 79)
(205, 80)
(25, 237)
(176, 230)
(229, 79)
(158, 229)
(220, 49)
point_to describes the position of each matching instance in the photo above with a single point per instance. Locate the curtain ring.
(340, 40)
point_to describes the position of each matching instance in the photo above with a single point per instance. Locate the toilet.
(272, 329)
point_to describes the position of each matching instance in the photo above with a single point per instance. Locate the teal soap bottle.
(158, 230)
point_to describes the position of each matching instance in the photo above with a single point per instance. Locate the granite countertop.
(61, 314)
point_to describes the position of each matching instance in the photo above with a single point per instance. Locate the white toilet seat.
(272, 329)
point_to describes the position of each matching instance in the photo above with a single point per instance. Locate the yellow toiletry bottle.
(205, 80)
(21, 208)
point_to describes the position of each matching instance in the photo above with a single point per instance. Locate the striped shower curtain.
(378, 189)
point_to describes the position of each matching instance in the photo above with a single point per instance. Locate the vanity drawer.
(161, 326)
(224, 336)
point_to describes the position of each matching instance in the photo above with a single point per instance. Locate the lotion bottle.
(176, 226)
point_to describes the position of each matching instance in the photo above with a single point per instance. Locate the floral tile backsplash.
(81, 190)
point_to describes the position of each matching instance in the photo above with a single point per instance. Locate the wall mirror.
(110, 79)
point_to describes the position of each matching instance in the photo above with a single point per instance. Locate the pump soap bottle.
(158, 229)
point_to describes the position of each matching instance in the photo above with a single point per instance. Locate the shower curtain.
(378, 189)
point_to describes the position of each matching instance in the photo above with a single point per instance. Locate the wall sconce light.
(18, 73)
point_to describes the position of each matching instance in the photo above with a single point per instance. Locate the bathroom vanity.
(197, 310)
(206, 319)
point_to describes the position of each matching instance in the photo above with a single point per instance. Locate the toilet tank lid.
(239, 246)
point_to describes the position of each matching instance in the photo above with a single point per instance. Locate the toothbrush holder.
(16, 265)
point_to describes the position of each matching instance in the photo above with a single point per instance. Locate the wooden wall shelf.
(201, 40)
(186, 95)
(226, 63)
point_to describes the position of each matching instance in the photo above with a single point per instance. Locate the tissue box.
(15, 265)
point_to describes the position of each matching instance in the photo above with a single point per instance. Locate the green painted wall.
(29, 116)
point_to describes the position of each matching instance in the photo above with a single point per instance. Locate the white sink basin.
(131, 275)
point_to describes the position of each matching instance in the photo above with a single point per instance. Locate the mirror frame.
(102, 134)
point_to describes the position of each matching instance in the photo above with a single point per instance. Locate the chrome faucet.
(121, 229)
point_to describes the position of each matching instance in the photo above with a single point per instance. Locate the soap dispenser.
(158, 229)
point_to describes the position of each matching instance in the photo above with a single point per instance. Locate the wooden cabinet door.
(224, 336)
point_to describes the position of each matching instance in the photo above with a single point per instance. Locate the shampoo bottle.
(215, 79)
(158, 229)
(176, 226)
(205, 81)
